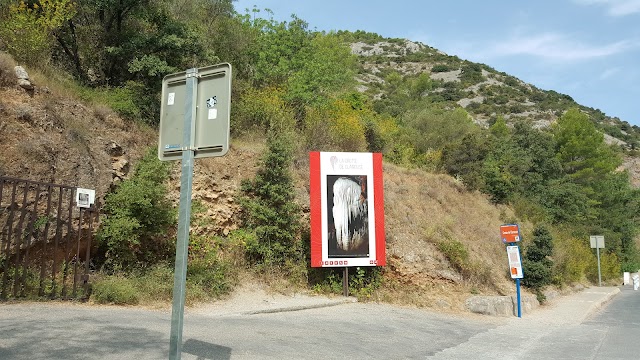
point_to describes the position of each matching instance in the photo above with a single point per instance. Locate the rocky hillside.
(52, 137)
(48, 136)
(483, 91)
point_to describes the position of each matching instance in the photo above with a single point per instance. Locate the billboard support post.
(345, 282)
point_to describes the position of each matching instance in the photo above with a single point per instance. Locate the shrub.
(456, 254)
(347, 130)
(25, 31)
(335, 127)
(475, 272)
(155, 283)
(363, 281)
(261, 110)
(536, 274)
(7, 74)
(609, 267)
(206, 270)
(440, 68)
(137, 215)
(572, 259)
(116, 290)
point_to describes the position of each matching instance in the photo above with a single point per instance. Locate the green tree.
(431, 127)
(138, 214)
(27, 27)
(521, 162)
(499, 128)
(566, 202)
(464, 158)
(537, 263)
(581, 148)
(325, 68)
(276, 49)
(616, 213)
(539, 152)
(270, 209)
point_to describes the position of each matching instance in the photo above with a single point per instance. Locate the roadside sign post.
(597, 242)
(194, 122)
(515, 269)
(510, 234)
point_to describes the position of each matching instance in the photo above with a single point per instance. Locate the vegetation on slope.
(536, 151)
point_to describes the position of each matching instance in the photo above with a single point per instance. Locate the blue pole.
(518, 297)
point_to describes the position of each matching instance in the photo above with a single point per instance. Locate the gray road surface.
(344, 331)
(347, 331)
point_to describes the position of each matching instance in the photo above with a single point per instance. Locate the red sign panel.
(509, 233)
(347, 209)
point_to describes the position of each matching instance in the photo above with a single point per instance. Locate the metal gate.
(45, 241)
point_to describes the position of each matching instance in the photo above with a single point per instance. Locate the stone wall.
(501, 305)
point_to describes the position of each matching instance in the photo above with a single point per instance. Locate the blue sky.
(587, 49)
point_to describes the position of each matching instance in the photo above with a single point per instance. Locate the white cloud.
(615, 7)
(555, 47)
(608, 73)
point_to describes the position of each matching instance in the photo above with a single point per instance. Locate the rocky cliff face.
(49, 137)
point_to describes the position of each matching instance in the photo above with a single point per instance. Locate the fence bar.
(76, 257)
(18, 232)
(5, 275)
(56, 240)
(66, 247)
(45, 240)
(28, 236)
(92, 210)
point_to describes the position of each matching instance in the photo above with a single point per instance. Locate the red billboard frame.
(323, 166)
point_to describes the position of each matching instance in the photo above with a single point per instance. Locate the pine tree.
(537, 263)
(270, 210)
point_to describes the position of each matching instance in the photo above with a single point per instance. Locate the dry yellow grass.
(421, 210)
(424, 209)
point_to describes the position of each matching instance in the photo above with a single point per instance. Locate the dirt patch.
(49, 138)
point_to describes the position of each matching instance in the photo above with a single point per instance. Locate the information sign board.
(515, 264)
(509, 233)
(597, 241)
(85, 197)
(210, 105)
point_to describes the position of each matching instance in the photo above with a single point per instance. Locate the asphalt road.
(610, 333)
(345, 331)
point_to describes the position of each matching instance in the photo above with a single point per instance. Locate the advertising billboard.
(347, 209)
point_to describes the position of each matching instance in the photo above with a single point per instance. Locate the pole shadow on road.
(205, 351)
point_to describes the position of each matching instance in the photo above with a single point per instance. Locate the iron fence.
(45, 241)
